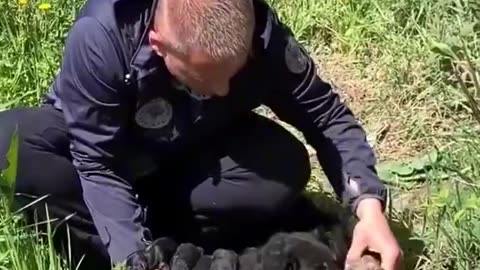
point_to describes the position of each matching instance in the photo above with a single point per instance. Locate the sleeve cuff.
(380, 197)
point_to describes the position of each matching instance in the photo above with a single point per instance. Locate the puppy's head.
(250, 259)
(223, 259)
(273, 254)
(186, 257)
(297, 251)
(310, 253)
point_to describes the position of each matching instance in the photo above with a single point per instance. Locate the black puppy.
(156, 256)
(283, 251)
(223, 259)
(228, 260)
(296, 251)
(203, 263)
(186, 257)
(337, 239)
(191, 257)
(250, 259)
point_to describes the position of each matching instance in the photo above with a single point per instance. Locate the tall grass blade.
(10, 173)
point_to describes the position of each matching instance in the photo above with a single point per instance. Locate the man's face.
(201, 73)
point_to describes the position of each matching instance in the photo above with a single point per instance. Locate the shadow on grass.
(412, 247)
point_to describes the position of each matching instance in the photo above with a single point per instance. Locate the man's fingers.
(390, 252)
(355, 252)
(391, 259)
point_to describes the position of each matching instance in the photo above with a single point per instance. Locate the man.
(148, 131)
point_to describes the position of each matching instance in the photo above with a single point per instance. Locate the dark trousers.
(234, 196)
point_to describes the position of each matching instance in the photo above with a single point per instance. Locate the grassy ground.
(409, 70)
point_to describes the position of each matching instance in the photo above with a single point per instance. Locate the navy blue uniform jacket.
(122, 106)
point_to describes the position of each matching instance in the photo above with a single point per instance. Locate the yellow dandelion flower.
(22, 3)
(44, 6)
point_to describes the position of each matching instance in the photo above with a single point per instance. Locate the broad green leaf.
(459, 215)
(443, 49)
(432, 157)
(402, 169)
(426, 161)
(473, 203)
(419, 164)
(383, 171)
(391, 171)
(453, 42)
(467, 29)
(10, 174)
(444, 194)
(385, 175)
(12, 157)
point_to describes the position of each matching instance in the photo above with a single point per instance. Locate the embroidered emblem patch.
(295, 57)
(154, 114)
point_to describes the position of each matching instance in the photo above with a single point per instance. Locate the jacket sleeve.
(301, 98)
(92, 92)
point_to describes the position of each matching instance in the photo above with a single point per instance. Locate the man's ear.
(156, 43)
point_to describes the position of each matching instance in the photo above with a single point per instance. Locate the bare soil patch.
(361, 93)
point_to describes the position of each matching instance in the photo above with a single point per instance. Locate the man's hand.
(372, 233)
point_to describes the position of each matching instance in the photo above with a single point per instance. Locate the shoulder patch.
(295, 58)
(155, 114)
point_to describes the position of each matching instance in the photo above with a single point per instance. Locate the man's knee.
(272, 153)
(43, 165)
(264, 171)
(253, 200)
(45, 169)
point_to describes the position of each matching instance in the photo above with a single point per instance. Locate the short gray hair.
(222, 28)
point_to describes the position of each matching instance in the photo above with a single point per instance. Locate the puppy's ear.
(186, 257)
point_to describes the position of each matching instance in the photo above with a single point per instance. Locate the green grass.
(409, 69)
(404, 55)
(22, 246)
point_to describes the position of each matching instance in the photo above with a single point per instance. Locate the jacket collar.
(145, 61)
